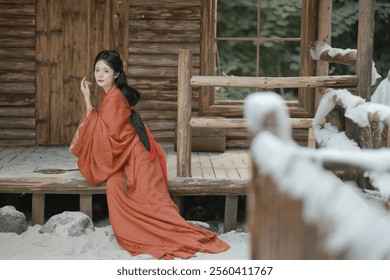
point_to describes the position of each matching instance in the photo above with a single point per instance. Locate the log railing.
(186, 81)
(299, 210)
(361, 125)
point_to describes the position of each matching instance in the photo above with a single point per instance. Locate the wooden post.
(86, 204)
(230, 217)
(184, 99)
(309, 20)
(38, 209)
(324, 35)
(365, 47)
(207, 52)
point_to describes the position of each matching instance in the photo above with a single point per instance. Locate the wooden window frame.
(303, 107)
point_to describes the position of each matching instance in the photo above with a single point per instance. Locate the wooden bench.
(181, 186)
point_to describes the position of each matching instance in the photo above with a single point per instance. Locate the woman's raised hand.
(84, 86)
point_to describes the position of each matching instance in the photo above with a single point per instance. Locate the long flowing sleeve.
(143, 217)
(104, 139)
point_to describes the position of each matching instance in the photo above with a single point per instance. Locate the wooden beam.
(235, 123)
(365, 47)
(309, 22)
(324, 34)
(178, 186)
(207, 51)
(38, 209)
(349, 58)
(184, 97)
(49, 67)
(86, 204)
(276, 82)
(230, 216)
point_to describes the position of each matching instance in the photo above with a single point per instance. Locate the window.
(259, 38)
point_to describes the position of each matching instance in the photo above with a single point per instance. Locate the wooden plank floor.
(27, 161)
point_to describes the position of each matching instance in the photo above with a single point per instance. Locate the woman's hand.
(84, 86)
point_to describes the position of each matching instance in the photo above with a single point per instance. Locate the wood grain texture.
(17, 73)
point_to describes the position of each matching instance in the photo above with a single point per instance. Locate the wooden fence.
(299, 210)
(186, 81)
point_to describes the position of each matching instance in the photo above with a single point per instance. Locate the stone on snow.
(11, 220)
(68, 223)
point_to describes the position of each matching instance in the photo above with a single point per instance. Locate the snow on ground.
(99, 244)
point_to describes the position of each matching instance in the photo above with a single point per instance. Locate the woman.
(112, 146)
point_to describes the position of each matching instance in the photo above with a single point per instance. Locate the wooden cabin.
(48, 46)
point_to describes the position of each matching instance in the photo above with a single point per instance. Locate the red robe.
(142, 215)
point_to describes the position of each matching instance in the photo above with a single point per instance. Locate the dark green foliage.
(281, 19)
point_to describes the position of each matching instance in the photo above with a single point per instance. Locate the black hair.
(114, 60)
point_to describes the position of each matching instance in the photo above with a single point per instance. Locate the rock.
(68, 223)
(12, 220)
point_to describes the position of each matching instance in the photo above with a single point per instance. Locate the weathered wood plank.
(17, 65)
(38, 209)
(25, 76)
(155, 36)
(13, 142)
(161, 105)
(365, 45)
(19, 2)
(11, 31)
(166, 3)
(196, 170)
(164, 12)
(16, 134)
(18, 88)
(218, 165)
(230, 215)
(65, 115)
(324, 34)
(276, 82)
(26, 9)
(166, 25)
(86, 204)
(162, 48)
(206, 166)
(22, 112)
(184, 114)
(14, 42)
(151, 115)
(157, 125)
(157, 60)
(179, 186)
(28, 123)
(17, 100)
(49, 68)
(16, 20)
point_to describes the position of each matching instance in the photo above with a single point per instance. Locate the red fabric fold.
(143, 217)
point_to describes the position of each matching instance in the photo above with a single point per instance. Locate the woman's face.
(104, 75)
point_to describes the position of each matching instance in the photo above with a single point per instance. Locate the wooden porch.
(44, 170)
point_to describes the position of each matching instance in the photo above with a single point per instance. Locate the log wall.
(48, 46)
(157, 31)
(17, 72)
(69, 34)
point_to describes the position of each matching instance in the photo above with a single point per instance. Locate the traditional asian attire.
(142, 215)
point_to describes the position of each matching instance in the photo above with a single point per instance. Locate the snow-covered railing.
(299, 210)
(322, 51)
(346, 122)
